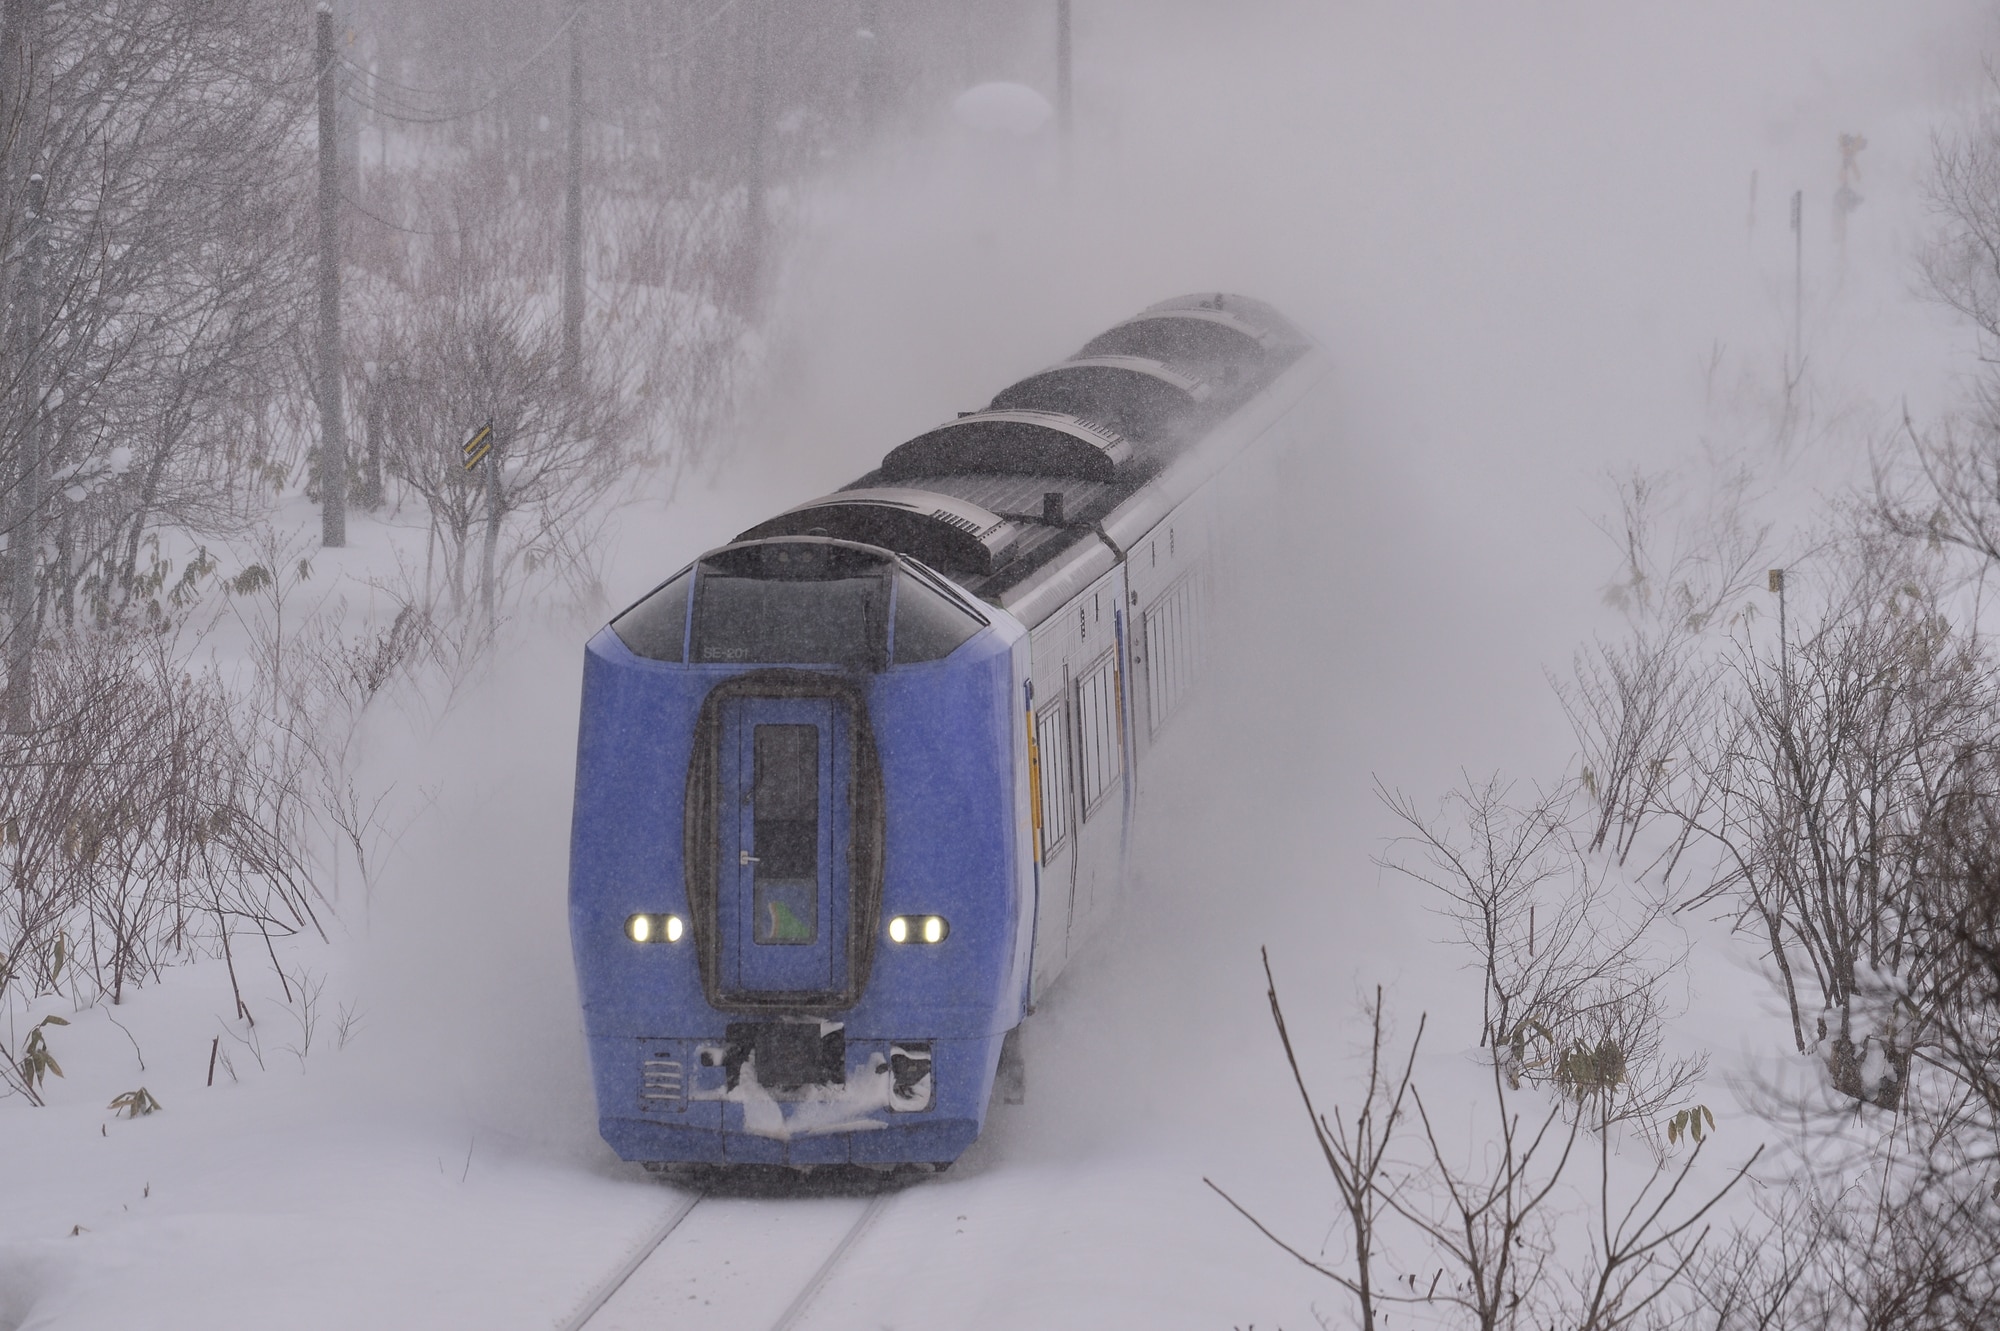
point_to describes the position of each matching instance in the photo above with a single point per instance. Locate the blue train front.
(800, 893)
(840, 817)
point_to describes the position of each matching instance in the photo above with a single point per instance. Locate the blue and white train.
(853, 788)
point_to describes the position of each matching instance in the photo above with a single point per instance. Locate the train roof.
(996, 495)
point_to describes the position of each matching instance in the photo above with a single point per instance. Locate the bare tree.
(1943, 485)
(152, 289)
(1960, 262)
(1492, 1219)
(1354, 1154)
(472, 355)
(1838, 764)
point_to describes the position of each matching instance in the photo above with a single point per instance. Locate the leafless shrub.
(142, 823)
(1942, 486)
(322, 668)
(347, 1024)
(1354, 1154)
(1757, 1278)
(252, 1042)
(1639, 705)
(305, 989)
(1958, 904)
(1574, 992)
(1635, 706)
(1492, 1219)
(1887, 1227)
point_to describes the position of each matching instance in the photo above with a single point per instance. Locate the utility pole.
(490, 547)
(332, 431)
(752, 275)
(1065, 111)
(371, 475)
(1775, 580)
(572, 279)
(1798, 279)
(24, 541)
(347, 113)
(874, 69)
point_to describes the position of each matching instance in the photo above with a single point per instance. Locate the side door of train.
(1171, 594)
(1097, 710)
(1052, 793)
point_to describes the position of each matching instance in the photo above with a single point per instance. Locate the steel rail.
(790, 1318)
(601, 1295)
(651, 1245)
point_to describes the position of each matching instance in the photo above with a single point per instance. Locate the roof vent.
(941, 530)
(1135, 395)
(1022, 443)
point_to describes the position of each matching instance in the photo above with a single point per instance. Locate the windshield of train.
(804, 603)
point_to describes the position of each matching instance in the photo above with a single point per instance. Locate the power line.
(413, 115)
(372, 216)
(695, 33)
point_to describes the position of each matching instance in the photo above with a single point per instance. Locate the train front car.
(800, 900)
(841, 817)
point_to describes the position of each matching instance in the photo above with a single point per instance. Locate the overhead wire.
(385, 89)
(411, 114)
(696, 33)
(351, 202)
(693, 35)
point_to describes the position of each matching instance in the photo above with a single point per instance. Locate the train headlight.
(919, 929)
(655, 928)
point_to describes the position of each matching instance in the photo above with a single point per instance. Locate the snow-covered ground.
(1527, 233)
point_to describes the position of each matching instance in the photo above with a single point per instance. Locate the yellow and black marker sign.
(477, 447)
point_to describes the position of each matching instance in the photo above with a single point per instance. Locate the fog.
(1528, 237)
(1523, 232)
(1527, 234)
(1547, 246)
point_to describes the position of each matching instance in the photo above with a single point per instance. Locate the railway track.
(729, 1261)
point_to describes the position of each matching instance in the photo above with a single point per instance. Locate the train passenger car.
(853, 788)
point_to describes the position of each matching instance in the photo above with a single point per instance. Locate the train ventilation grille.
(661, 1079)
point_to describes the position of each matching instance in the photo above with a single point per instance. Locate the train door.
(1053, 791)
(1171, 598)
(784, 895)
(1097, 704)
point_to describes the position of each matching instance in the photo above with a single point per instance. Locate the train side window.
(1052, 750)
(1100, 757)
(930, 623)
(656, 628)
